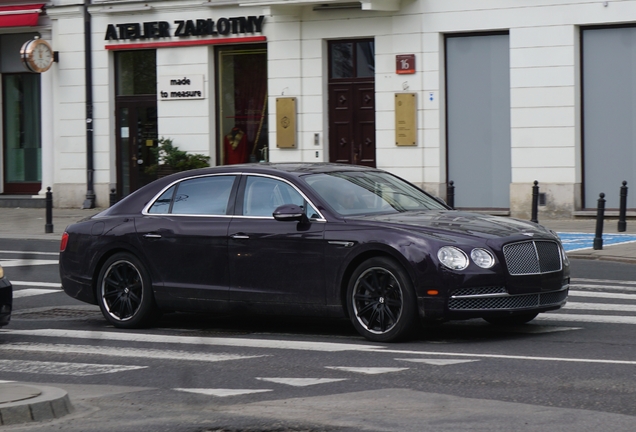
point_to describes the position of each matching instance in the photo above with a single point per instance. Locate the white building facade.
(490, 94)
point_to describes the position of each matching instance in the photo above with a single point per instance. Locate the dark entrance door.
(352, 102)
(136, 139)
(135, 119)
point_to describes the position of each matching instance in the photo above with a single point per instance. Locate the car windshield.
(361, 193)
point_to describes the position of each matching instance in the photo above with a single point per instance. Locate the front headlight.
(453, 258)
(482, 258)
(1, 272)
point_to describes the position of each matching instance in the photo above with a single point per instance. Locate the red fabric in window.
(20, 16)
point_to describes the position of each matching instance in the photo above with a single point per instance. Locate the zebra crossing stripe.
(602, 295)
(604, 319)
(367, 370)
(26, 262)
(436, 362)
(62, 368)
(37, 284)
(301, 382)
(220, 392)
(30, 292)
(600, 307)
(124, 352)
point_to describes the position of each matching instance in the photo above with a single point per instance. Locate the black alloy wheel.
(512, 319)
(381, 301)
(124, 292)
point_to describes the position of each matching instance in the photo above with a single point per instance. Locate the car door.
(184, 236)
(275, 261)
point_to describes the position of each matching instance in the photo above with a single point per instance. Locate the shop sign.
(181, 87)
(405, 64)
(185, 28)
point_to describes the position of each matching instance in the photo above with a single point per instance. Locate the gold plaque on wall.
(405, 119)
(286, 122)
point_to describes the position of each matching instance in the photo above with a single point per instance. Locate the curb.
(24, 403)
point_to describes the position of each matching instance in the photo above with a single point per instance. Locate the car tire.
(381, 300)
(512, 319)
(124, 292)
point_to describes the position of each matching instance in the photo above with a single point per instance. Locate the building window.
(21, 102)
(136, 72)
(352, 59)
(242, 101)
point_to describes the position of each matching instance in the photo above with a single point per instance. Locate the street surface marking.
(598, 287)
(61, 368)
(29, 292)
(301, 382)
(600, 307)
(221, 392)
(581, 241)
(297, 345)
(367, 370)
(602, 295)
(612, 281)
(37, 284)
(436, 362)
(26, 262)
(534, 329)
(124, 352)
(5, 382)
(29, 253)
(605, 319)
(194, 340)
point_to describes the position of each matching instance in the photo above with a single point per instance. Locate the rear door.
(184, 237)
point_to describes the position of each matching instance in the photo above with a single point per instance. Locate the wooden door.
(352, 102)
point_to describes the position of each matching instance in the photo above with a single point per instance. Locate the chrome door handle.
(239, 236)
(152, 236)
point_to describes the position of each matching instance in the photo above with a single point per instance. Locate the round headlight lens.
(453, 258)
(482, 258)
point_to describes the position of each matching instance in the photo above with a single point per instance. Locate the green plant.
(169, 157)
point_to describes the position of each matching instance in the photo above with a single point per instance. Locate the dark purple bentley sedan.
(320, 239)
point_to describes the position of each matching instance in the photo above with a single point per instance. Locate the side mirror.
(289, 212)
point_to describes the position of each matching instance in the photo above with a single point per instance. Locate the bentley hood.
(460, 223)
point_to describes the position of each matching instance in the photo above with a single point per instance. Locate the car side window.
(263, 195)
(202, 196)
(162, 204)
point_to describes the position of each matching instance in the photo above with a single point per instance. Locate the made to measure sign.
(181, 87)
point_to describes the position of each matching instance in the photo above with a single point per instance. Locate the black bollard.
(600, 214)
(112, 197)
(535, 203)
(622, 212)
(450, 194)
(48, 226)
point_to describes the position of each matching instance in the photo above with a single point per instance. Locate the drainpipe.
(89, 202)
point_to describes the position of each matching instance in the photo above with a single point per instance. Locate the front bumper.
(6, 301)
(497, 299)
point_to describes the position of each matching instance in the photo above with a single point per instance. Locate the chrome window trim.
(236, 174)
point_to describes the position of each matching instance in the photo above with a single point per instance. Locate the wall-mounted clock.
(37, 55)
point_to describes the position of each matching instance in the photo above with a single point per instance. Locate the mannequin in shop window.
(235, 147)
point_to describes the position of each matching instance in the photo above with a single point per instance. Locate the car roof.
(138, 199)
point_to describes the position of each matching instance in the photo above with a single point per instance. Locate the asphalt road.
(569, 370)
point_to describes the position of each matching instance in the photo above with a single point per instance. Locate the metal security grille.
(532, 257)
(507, 302)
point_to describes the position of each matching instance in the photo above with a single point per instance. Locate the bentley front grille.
(532, 257)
